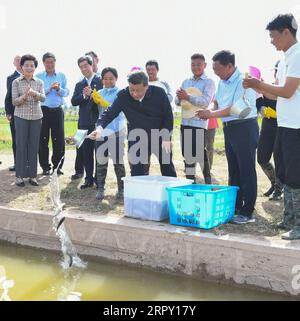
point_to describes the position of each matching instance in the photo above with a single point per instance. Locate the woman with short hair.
(112, 143)
(27, 95)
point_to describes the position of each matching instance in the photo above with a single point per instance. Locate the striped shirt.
(207, 87)
(30, 108)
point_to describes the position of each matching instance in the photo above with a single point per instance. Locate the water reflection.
(41, 278)
(67, 290)
(5, 285)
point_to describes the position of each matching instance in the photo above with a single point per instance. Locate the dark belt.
(238, 121)
(52, 109)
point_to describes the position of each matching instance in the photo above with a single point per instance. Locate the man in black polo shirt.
(150, 124)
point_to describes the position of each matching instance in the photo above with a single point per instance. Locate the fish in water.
(71, 260)
(60, 223)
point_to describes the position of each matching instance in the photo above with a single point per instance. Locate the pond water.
(37, 275)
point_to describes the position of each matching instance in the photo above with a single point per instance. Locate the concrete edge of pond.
(264, 263)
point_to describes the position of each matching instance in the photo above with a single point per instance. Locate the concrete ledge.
(263, 263)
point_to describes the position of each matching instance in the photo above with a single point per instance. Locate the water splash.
(67, 291)
(5, 285)
(70, 257)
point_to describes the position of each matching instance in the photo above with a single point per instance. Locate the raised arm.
(77, 98)
(207, 95)
(17, 98)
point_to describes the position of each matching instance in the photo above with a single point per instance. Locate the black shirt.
(265, 102)
(153, 112)
(9, 107)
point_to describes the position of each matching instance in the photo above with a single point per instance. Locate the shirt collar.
(203, 76)
(292, 49)
(22, 77)
(90, 79)
(233, 77)
(47, 75)
(113, 89)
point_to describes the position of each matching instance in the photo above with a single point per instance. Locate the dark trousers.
(241, 141)
(27, 138)
(142, 168)
(79, 168)
(88, 151)
(192, 136)
(265, 150)
(110, 147)
(266, 142)
(52, 123)
(210, 135)
(13, 136)
(287, 156)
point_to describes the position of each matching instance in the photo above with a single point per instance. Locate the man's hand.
(9, 117)
(182, 94)
(87, 91)
(204, 114)
(55, 86)
(252, 83)
(96, 134)
(167, 146)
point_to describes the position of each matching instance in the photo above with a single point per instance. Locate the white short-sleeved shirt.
(288, 110)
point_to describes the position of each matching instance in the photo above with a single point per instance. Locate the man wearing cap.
(283, 33)
(241, 135)
(196, 92)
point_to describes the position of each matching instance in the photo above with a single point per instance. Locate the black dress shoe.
(12, 168)
(76, 176)
(46, 172)
(20, 182)
(33, 182)
(87, 185)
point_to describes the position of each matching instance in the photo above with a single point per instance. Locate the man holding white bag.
(241, 135)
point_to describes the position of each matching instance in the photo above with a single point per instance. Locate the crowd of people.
(142, 114)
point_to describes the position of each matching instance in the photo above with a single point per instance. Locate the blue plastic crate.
(201, 206)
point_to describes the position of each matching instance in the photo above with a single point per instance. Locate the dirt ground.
(37, 198)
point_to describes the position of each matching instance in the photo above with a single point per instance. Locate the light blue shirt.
(207, 87)
(118, 124)
(54, 98)
(230, 91)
